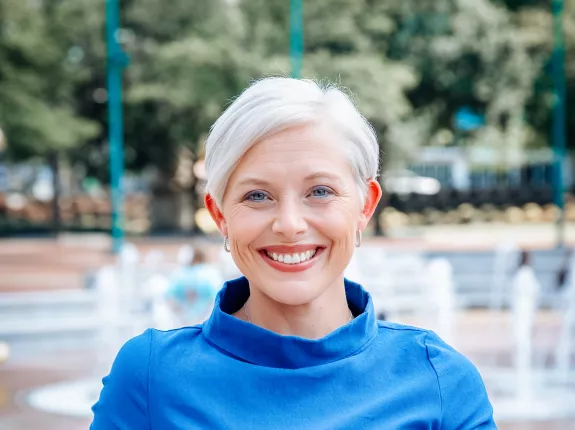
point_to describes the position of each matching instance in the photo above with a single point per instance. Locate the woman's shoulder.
(406, 329)
(438, 352)
(401, 335)
(152, 340)
(456, 377)
(124, 396)
(449, 365)
(165, 339)
(140, 349)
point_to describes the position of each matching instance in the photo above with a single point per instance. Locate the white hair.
(271, 105)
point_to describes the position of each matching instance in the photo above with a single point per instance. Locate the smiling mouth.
(293, 258)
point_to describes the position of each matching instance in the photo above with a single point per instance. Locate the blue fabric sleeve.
(123, 402)
(464, 401)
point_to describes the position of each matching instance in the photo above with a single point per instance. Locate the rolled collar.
(253, 344)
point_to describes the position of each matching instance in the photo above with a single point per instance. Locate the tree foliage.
(412, 64)
(38, 110)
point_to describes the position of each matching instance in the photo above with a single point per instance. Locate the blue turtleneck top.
(229, 374)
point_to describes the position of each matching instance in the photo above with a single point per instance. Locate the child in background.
(193, 289)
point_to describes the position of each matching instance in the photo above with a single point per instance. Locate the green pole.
(117, 60)
(559, 138)
(296, 37)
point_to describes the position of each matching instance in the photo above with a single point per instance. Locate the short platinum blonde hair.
(271, 105)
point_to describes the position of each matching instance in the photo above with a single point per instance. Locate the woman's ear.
(372, 199)
(216, 214)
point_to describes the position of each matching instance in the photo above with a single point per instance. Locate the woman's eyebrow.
(322, 175)
(260, 182)
(250, 180)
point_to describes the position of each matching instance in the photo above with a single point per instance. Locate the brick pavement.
(17, 378)
(28, 265)
(40, 265)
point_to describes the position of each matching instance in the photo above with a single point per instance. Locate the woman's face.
(291, 212)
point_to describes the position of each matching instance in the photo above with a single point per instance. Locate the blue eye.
(321, 192)
(256, 196)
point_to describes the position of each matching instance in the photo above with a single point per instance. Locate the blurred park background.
(104, 109)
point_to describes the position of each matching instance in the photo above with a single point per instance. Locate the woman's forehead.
(303, 160)
(303, 154)
(298, 144)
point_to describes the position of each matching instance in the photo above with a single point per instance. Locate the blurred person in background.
(291, 183)
(193, 289)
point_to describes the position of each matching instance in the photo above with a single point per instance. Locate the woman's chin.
(294, 293)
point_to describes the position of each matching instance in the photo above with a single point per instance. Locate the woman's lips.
(299, 259)
(291, 249)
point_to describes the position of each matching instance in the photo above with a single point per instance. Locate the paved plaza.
(60, 361)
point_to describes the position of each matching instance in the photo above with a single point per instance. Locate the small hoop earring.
(358, 239)
(227, 244)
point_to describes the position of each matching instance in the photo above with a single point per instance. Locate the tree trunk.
(185, 211)
(56, 216)
(163, 211)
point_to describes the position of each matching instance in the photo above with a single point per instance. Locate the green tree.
(38, 73)
(468, 53)
(535, 24)
(341, 45)
(411, 63)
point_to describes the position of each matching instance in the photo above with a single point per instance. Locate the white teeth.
(292, 258)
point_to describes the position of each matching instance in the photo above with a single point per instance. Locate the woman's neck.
(313, 320)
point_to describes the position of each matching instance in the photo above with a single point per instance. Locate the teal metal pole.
(559, 130)
(117, 60)
(296, 37)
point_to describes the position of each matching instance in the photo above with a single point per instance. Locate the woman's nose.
(289, 221)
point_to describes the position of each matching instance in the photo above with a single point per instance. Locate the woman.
(291, 170)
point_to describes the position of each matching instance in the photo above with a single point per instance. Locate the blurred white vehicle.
(403, 181)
